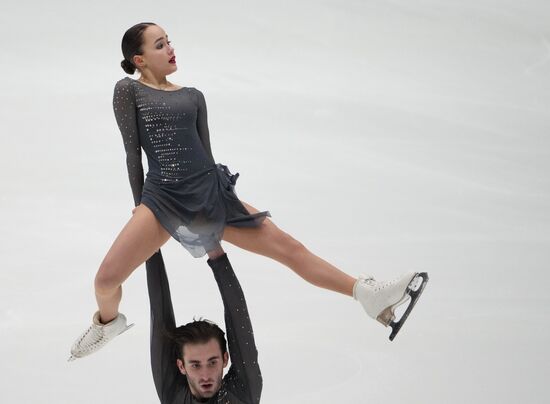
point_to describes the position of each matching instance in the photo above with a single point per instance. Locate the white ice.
(384, 135)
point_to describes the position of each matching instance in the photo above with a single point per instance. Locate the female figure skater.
(189, 197)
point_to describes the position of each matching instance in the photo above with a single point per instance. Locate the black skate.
(414, 290)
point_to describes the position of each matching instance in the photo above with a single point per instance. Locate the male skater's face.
(203, 365)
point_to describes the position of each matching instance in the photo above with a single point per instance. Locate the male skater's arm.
(163, 361)
(244, 379)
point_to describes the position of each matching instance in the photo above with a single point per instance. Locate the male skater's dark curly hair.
(196, 332)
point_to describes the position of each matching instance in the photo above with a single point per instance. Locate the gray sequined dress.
(192, 197)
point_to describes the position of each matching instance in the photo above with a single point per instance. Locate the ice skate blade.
(414, 290)
(388, 314)
(73, 358)
(127, 328)
(386, 317)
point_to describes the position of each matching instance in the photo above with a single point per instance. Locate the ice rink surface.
(384, 135)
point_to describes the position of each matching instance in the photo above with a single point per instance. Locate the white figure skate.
(97, 335)
(380, 299)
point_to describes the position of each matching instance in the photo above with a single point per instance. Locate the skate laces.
(377, 286)
(365, 280)
(92, 339)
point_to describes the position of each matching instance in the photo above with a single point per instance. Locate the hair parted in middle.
(198, 331)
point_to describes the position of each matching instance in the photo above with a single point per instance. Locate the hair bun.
(128, 67)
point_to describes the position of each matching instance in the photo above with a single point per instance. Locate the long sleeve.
(124, 106)
(202, 123)
(244, 378)
(163, 362)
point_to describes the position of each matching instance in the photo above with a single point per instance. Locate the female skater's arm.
(124, 106)
(163, 362)
(202, 123)
(244, 378)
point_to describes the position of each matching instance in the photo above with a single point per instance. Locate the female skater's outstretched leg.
(379, 299)
(140, 238)
(270, 241)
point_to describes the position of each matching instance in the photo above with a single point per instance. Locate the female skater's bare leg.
(140, 238)
(379, 299)
(272, 242)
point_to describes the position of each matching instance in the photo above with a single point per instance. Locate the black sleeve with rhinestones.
(202, 123)
(166, 376)
(124, 106)
(244, 379)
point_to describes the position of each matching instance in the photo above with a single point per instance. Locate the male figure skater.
(188, 361)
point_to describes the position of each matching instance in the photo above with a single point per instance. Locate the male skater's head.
(201, 351)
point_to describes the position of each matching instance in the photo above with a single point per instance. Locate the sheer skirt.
(195, 209)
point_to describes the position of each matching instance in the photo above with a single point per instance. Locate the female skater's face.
(158, 55)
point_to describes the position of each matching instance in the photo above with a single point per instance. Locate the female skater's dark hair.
(131, 45)
(196, 332)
